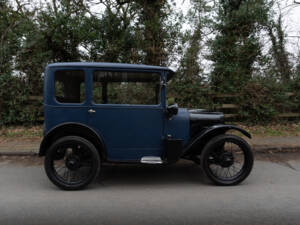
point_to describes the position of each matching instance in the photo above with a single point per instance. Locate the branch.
(11, 26)
(123, 2)
(54, 6)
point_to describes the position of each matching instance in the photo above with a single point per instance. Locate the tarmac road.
(141, 194)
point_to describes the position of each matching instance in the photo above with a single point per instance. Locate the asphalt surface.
(140, 194)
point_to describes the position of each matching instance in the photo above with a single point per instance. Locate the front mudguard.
(196, 145)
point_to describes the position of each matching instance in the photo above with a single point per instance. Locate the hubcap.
(73, 162)
(226, 159)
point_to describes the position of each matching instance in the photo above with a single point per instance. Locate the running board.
(151, 160)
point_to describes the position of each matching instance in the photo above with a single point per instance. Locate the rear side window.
(69, 86)
(120, 87)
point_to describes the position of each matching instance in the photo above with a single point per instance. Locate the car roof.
(109, 65)
(113, 65)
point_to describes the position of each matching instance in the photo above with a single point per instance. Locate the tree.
(111, 37)
(278, 50)
(13, 89)
(188, 87)
(51, 34)
(236, 46)
(9, 38)
(157, 34)
(193, 39)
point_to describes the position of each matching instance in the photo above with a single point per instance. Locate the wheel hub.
(73, 162)
(226, 159)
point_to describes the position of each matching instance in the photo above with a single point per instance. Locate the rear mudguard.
(202, 138)
(73, 129)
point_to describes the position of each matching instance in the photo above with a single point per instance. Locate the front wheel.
(227, 159)
(72, 162)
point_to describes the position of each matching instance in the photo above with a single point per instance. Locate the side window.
(69, 86)
(114, 87)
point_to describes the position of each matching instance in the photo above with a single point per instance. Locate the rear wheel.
(72, 163)
(227, 159)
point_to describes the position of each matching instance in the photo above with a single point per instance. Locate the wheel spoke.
(74, 165)
(228, 162)
(59, 168)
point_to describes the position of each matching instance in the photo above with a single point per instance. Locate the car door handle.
(91, 111)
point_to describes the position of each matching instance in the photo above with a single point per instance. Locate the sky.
(291, 21)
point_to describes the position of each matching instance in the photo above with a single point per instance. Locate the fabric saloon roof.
(114, 66)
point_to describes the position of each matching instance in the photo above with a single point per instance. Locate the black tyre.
(72, 162)
(227, 159)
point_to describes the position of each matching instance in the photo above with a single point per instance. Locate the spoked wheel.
(227, 159)
(72, 163)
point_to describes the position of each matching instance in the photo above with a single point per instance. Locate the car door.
(127, 112)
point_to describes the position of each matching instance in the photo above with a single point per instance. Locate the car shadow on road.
(181, 173)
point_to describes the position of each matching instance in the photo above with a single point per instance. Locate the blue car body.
(127, 132)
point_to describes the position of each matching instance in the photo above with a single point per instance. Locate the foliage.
(9, 39)
(110, 37)
(190, 92)
(236, 46)
(157, 28)
(190, 64)
(15, 110)
(225, 34)
(13, 89)
(294, 86)
(262, 100)
(282, 67)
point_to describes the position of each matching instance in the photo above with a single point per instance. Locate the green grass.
(273, 132)
(276, 129)
(20, 131)
(298, 127)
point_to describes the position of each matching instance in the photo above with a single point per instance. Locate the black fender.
(203, 137)
(78, 129)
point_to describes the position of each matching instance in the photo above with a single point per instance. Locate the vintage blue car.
(109, 112)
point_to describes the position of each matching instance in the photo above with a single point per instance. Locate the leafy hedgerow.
(14, 107)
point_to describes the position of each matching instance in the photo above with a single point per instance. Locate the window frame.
(158, 72)
(85, 87)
